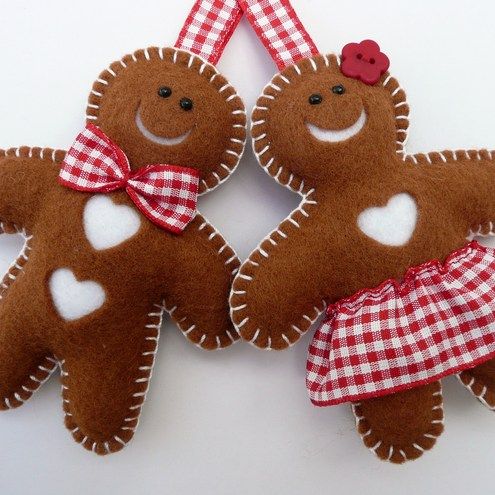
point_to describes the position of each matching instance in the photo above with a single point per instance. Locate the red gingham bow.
(165, 194)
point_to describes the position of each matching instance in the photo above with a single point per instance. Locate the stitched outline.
(44, 370)
(293, 183)
(232, 155)
(142, 381)
(374, 448)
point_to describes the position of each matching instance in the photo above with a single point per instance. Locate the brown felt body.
(319, 248)
(106, 357)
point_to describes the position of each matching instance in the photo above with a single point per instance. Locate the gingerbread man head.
(165, 105)
(333, 128)
(113, 238)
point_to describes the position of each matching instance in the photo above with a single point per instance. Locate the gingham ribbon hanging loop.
(209, 27)
(165, 194)
(280, 30)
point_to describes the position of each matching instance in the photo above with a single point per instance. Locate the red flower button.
(364, 61)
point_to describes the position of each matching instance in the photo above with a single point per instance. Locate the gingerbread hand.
(27, 175)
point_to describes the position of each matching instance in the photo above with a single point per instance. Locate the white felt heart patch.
(73, 299)
(393, 224)
(106, 224)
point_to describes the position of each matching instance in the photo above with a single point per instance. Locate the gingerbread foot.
(101, 408)
(402, 426)
(19, 382)
(480, 381)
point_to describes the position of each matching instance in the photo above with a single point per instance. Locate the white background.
(239, 421)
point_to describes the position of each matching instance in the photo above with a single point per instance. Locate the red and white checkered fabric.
(166, 194)
(438, 321)
(280, 30)
(209, 27)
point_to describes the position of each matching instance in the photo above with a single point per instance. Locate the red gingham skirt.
(438, 321)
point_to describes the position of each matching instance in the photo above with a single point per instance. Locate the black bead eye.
(164, 92)
(338, 90)
(186, 104)
(315, 99)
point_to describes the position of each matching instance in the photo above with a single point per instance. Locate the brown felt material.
(319, 255)
(401, 426)
(106, 357)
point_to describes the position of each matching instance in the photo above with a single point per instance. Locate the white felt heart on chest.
(106, 224)
(393, 224)
(73, 299)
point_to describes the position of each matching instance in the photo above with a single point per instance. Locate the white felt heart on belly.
(106, 224)
(73, 299)
(393, 224)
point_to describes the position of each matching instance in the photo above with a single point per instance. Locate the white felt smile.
(73, 299)
(336, 136)
(106, 224)
(393, 224)
(163, 140)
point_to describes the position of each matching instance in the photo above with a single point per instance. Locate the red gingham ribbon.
(209, 27)
(165, 194)
(280, 30)
(438, 321)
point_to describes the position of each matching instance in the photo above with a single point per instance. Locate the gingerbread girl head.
(333, 128)
(311, 113)
(113, 238)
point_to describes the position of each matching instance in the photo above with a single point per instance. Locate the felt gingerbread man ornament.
(112, 235)
(333, 129)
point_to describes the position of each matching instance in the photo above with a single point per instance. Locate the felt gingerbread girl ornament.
(333, 129)
(113, 238)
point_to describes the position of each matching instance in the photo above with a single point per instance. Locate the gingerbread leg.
(401, 426)
(24, 364)
(105, 381)
(480, 381)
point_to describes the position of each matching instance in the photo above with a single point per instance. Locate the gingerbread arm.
(280, 290)
(26, 176)
(198, 285)
(467, 187)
